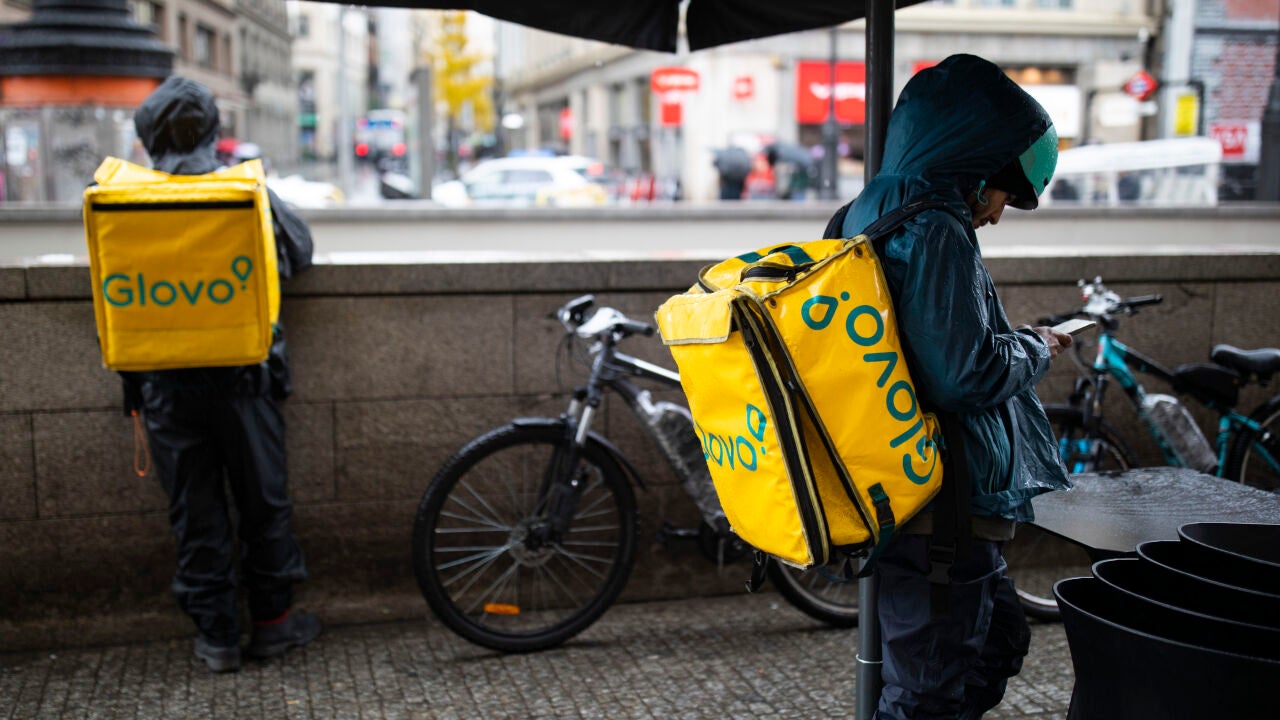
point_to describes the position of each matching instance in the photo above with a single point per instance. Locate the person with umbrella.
(965, 136)
(734, 164)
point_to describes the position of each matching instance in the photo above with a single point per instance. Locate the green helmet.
(1039, 160)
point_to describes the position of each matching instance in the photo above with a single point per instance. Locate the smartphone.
(1074, 326)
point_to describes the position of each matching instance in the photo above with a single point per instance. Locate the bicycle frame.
(1113, 360)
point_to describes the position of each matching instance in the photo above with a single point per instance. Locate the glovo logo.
(736, 451)
(864, 325)
(123, 291)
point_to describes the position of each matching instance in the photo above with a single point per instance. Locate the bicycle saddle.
(1263, 363)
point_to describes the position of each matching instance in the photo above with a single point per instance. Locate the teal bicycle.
(1245, 447)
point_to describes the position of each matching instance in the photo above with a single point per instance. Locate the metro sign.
(673, 79)
(1141, 86)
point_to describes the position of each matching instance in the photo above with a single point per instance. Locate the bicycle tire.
(1037, 559)
(506, 591)
(1243, 465)
(835, 604)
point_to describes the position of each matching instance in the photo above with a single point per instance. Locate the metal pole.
(831, 131)
(1269, 161)
(344, 140)
(879, 104)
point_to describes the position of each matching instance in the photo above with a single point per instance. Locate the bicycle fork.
(566, 477)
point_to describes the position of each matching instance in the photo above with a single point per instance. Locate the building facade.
(598, 100)
(331, 42)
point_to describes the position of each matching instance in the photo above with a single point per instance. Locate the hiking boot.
(219, 658)
(294, 630)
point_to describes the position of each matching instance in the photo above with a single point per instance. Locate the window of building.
(146, 12)
(184, 45)
(203, 48)
(1054, 4)
(304, 25)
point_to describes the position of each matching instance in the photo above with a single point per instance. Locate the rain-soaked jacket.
(178, 125)
(955, 125)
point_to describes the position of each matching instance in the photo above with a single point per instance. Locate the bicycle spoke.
(488, 557)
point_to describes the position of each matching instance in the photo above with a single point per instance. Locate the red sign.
(744, 86)
(566, 123)
(813, 92)
(670, 112)
(1141, 86)
(919, 65)
(1233, 137)
(667, 79)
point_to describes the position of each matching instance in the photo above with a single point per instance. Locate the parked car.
(527, 181)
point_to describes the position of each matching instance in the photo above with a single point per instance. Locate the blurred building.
(331, 66)
(1220, 62)
(240, 49)
(585, 97)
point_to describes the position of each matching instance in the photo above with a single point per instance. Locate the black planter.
(1135, 659)
(1252, 549)
(1185, 599)
(1207, 565)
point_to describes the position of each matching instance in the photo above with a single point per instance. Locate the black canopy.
(653, 24)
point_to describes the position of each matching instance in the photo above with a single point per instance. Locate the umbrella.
(789, 153)
(733, 162)
(654, 24)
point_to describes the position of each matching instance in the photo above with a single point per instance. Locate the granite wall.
(395, 367)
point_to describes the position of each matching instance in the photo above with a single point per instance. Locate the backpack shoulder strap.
(888, 222)
(891, 221)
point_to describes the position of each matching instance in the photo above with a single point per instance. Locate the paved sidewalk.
(726, 657)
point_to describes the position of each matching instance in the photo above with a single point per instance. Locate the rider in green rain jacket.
(954, 127)
(967, 137)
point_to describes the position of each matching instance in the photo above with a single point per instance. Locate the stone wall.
(395, 367)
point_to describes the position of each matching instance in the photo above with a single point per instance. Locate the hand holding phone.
(1075, 326)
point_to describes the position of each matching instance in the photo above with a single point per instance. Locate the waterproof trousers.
(212, 432)
(956, 665)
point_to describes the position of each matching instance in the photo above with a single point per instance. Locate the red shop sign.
(744, 87)
(1233, 136)
(566, 123)
(813, 92)
(667, 79)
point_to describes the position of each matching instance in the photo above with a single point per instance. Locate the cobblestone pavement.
(725, 657)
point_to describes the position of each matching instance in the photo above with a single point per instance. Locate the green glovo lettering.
(865, 327)
(122, 291)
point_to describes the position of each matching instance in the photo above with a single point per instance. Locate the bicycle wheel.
(833, 603)
(1254, 457)
(1036, 558)
(482, 553)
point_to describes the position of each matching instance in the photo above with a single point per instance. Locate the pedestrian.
(760, 183)
(964, 134)
(733, 164)
(210, 426)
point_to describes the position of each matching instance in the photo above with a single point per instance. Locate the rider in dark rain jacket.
(207, 424)
(964, 134)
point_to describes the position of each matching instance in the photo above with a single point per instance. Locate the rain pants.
(954, 126)
(217, 429)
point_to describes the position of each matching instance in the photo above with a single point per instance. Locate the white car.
(523, 181)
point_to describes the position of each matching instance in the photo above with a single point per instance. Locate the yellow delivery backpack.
(183, 266)
(809, 420)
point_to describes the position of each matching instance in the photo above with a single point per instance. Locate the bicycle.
(1246, 447)
(527, 534)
